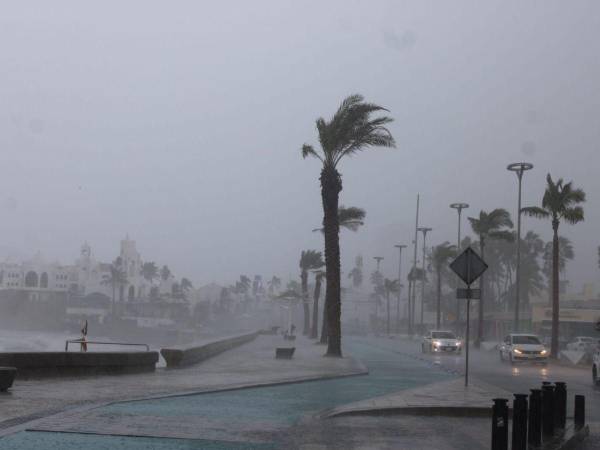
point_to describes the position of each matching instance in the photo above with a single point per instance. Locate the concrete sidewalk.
(249, 365)
(444, 398)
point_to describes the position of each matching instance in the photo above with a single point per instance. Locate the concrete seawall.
(57, 364)
(180, 357)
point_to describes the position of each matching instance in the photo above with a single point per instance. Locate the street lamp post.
(423, 230)
(458, 207)
(399, 247)
(519, 169)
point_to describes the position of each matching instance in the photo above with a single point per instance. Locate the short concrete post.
(534, 435)
(560, 405)
(519, 428)
(579, 411)
(500, 424)
(547, 410)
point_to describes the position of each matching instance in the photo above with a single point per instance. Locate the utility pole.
(424, 230)
(378, 259)
(414, 268)
(399, 247)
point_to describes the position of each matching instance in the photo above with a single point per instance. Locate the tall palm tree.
(560, 202)
(115, 278)
(149, 271)
(440, 257)
(490, 225)
(165, 273)
(350, 130)
(186, 285)
(314, 330)
(309, 260)
(415, 274)
(243, 285)
(274, 284)
(390, 287)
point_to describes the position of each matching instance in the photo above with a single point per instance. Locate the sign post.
(468, 266)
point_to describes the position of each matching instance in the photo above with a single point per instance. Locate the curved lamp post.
(518, 168)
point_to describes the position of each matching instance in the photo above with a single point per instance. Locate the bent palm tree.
(314, 330)
(309, 260)
(489, 226)
(350, 130)
(440, 256)
(560, 202)
(350, 218)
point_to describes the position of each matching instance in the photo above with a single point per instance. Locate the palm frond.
(503, 235)
(573, 215)
(535, 211)
(308, 150)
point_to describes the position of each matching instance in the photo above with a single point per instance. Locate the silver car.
(523, 347)
(437, 341)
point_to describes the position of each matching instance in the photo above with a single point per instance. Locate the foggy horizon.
(182, 127)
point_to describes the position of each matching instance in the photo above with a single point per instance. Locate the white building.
(36, 276)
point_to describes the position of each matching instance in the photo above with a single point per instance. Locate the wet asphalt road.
(486, 366)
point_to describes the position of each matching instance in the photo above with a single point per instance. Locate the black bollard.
(547, 410)
(500, 424)
(519, 419)
(534, 435)
(579, 411)
(560, 405)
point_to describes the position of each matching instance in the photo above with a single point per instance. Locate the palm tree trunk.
(439, 298)
(331, 186)
(555, 290)
(481, 283)
(314, 332)
(304, 280)
(323, 339)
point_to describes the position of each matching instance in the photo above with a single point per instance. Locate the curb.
(451, 411)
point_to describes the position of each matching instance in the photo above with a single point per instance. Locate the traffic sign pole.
(467, 342)
(468, 266)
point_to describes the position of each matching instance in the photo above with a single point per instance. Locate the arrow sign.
(468, 266)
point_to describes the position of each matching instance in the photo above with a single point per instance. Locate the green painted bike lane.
(275, 407)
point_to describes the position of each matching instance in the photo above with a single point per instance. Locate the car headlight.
(544, 352)
(458, 343)
(437, 343)
(517, 351)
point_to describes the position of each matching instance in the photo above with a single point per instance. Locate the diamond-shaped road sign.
(468, 266)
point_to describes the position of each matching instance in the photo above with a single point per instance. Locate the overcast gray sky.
(180, 123)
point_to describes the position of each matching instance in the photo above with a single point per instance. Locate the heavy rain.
(299, 225)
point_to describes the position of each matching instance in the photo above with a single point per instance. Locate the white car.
(437, 341)
(523, 347)
(583, 344)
